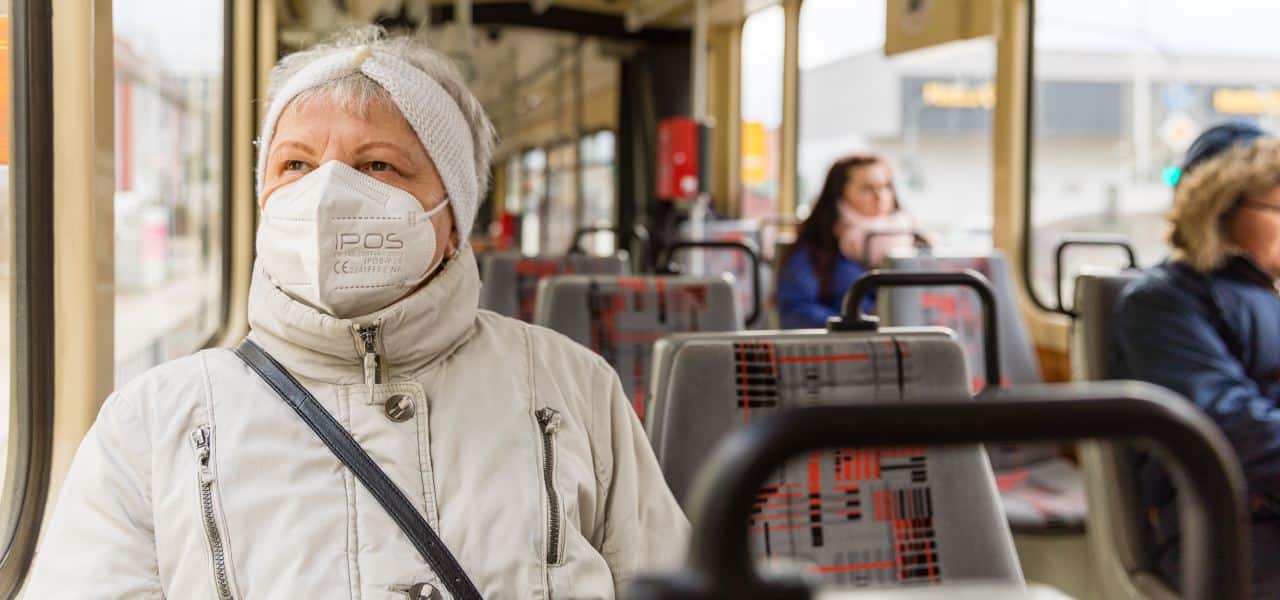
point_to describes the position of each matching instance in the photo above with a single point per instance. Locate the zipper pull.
(200, 443)
(368, 335)
(549, 419)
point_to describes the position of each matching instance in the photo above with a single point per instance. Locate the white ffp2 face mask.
(344, 242)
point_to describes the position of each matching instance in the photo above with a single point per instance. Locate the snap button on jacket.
(197, 481)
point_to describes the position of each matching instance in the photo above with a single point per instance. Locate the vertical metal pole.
(579, 87)
(463, 19)
(1142, 98)
(790, 108)
(699, 56)
(699, 111)
(1010, 143)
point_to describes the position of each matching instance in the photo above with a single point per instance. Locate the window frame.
(227, 156)
(30, 446)
(1027, 228)
(582, 165)
(575, 146)
(1025, 239)
(778, 161)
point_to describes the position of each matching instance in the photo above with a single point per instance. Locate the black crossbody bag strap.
(343, 446)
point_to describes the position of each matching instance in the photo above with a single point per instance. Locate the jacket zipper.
(368, 335)
(200, 441)
(549, 420)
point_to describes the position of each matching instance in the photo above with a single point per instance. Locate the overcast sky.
(183, 35)
(834, 29)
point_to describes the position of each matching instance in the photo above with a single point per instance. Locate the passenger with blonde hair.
(1206, 324)
(501, 460)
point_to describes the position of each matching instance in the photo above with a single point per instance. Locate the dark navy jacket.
(800, 306)
(1216, 340)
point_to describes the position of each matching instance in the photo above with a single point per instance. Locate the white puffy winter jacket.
(197, 481)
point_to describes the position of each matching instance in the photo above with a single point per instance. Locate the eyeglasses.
(1263, 206)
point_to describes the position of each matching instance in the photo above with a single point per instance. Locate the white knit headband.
(429, 109)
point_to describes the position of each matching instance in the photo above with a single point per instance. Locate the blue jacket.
(1216, 340)
(800, 306)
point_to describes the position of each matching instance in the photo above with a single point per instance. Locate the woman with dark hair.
(858, 198)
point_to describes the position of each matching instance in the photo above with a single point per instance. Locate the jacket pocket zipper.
(200, 441)
(549, 422)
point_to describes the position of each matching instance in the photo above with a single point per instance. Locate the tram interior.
(656, 161)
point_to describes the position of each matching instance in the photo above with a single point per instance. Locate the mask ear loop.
(444, 257)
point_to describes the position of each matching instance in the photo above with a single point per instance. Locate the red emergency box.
(681, 160)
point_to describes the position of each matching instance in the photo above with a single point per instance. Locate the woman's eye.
(295, 165)
(379, 166)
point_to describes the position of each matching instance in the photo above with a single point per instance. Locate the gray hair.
(355, 92)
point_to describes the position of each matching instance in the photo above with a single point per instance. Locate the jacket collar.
(413, 333)
(1245, 269)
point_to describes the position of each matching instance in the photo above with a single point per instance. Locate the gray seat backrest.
(1093, 350)
(854, 516)
(620, 317)
(1110, 477)
(959, 310)
(511, 279)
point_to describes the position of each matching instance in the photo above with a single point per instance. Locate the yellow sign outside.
(959, 95)
(1245, 101)
(755, 153)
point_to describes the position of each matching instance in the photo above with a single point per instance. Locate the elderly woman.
(1206, 324)
(515, 445)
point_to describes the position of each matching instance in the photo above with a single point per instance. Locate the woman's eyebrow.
(292, 144)
(387, 145)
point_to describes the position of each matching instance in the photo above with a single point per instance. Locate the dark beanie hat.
(1216, 140)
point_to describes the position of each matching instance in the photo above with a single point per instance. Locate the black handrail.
(1215, 520)
(665, 264)
(921, 241)
(1094, 240)
(852, 319)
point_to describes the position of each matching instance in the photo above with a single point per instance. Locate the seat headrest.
(511, 279)
(1093, 352)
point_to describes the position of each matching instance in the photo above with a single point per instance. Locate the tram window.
(1121, 89)
(599, 196)
(761, 104)
(533, 186)
(562, 197)
(928, 112)
(170, 201)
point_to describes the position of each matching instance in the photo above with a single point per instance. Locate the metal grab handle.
(920, 241)
(638, 232)
(1215, 520)
(668, 253)
(852, 319)
(1094, 240)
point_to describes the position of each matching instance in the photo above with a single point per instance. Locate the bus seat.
(1117, 534)
(620, 317)
(1042, 492)
(1093, 354)
(726, 502)
(511, 279)
(958, 310)
(855, 505)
